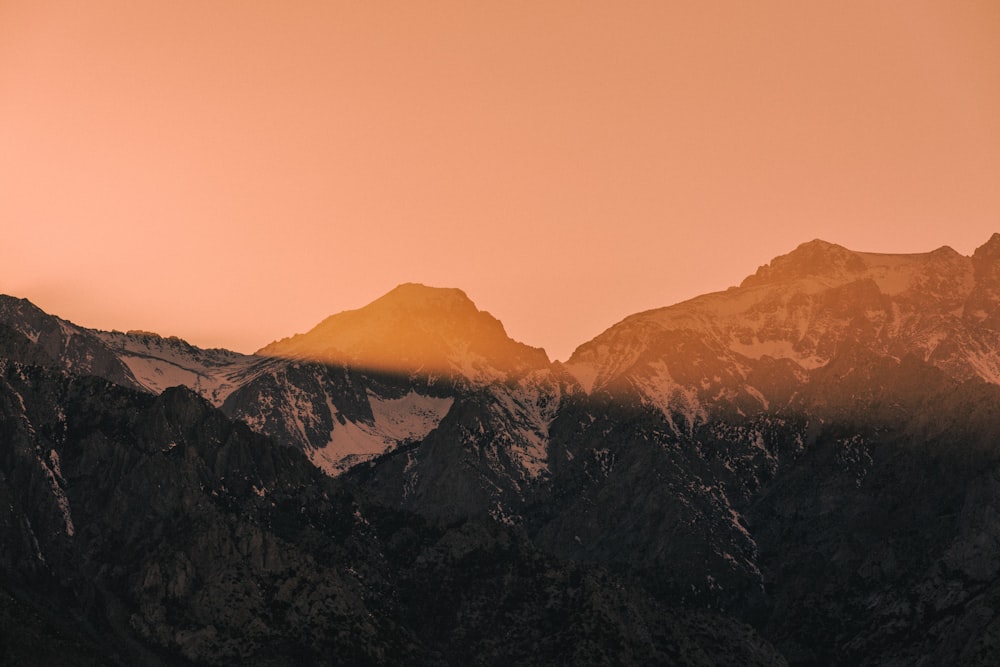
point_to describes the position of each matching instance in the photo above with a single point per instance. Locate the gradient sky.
(233, 172)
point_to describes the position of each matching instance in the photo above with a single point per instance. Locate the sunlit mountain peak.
(415, 328)
(800, 312)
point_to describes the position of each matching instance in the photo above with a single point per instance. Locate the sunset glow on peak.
(415, 329)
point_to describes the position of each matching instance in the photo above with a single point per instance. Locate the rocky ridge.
(812, 452)
(152, 529)
(748, 348)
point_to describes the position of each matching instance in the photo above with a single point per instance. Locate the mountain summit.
(751, 346)
(415, 328)
(799, 470)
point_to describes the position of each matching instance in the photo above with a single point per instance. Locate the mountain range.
(803, 469)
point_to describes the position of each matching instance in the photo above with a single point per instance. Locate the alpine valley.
(801, 470)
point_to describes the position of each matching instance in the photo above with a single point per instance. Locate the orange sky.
(233, 172)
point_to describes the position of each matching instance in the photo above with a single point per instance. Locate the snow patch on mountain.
(53, 471)
(410, 417)
(614, 352)
(985, 363)
(396, 421)
(584, 373)
(158, 363)
(525, 414)
(777, 349)
(658, 388)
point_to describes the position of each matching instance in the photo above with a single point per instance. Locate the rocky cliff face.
(75, 349)
(365, 382)
(812, 453)
(802, 310)
(757, 451)
(143, 529)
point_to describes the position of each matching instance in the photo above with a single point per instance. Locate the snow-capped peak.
(806, 307)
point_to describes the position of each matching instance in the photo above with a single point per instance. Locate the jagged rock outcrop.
(803, 309)
(75, 349)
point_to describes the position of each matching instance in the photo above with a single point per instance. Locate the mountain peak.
(421, 291)
(818, 245)
(415, 328)
(989, 250)
(416, 296)
(805, 308)
(813, 258)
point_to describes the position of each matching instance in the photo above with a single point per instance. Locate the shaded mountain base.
(859, 525)
(164, 533)
(30, 637)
